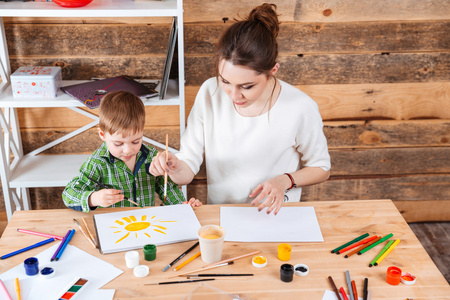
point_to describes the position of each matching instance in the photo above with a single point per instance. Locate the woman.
(252, 128)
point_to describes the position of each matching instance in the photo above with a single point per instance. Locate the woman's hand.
(273, 191)
(193, 202)
(105, 197)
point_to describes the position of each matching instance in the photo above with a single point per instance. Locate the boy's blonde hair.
(122, 112)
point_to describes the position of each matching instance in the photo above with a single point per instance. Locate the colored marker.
(333, 285)
(349, 284)
(47, 235)
(365, 241)
(17, 284)
(381, 253)
(351, 242)
(27, 248)
(60, 245)
(365, 291)
(344, 295)
(374, 244)
(362, 247)
(387, 252)
(355, 292)
(4, 291)
(66, 242)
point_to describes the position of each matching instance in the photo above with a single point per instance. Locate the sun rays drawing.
(130, 226)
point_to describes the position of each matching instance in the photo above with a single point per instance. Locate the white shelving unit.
(33, 170)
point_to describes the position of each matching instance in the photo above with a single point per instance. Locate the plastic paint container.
(286, 272)
(150, 252)
(132, 259)
(301, 269)
(31, 266)
(284, 252)
(259, 261)
(393, 275)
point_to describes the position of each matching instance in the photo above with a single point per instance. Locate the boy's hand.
(193, 202)
(105, 197)
(159, 165)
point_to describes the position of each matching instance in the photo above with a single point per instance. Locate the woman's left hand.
(273, 191)
(193, 202)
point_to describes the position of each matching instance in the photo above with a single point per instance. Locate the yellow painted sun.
(131, 225)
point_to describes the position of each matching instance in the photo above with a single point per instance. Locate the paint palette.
(72, 290)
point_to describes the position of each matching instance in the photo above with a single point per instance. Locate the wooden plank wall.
(380, 72)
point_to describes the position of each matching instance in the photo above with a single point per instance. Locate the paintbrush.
(84, 233)
(165, 172)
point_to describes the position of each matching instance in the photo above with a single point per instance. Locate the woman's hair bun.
(267, 15)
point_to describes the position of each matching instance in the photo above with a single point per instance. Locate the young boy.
(121, 163)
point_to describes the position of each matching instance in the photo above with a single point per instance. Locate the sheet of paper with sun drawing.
(132, 229)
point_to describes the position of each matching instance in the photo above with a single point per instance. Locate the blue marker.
(65, 245)
(27, 248)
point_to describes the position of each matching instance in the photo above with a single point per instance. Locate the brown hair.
(121, 111)
(251, 42)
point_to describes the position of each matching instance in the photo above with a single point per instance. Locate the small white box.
(36, 82)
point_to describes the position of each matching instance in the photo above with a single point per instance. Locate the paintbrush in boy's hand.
(106, 187)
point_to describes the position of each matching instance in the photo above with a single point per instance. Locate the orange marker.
(365, 241)
(363, 246)
(355, 293)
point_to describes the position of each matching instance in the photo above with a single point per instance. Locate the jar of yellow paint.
(284, 252)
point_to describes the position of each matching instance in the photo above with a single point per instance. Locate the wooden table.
(340, 221)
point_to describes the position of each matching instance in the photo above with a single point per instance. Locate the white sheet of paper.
(291, 224)
(126, 230)
(330, 295)
(73, 263)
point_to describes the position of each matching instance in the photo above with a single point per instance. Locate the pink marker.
(57, 237)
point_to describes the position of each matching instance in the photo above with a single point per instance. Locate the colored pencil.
(365, 241)
(334, 287)
(60, 246)
(17, 284)
(233, 259)
(381, 253)
(165, 172)
(349, 285)
(180, 257)
(365, 291)
(180, 281)
(106, 187)
(27, 248)
(90, 233)
(362, 247)
(351, 242)
(188, 261)
(387, 252)
(84, 233)
(66, 242)
(57, 237)
(355, 292)
(344, 294)
(374, 244)
(4, 291)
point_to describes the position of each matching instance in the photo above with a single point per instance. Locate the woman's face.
(244, 85)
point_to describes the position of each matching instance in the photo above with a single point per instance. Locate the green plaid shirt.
(139, 186)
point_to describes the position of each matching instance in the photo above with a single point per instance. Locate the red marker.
(344, 295)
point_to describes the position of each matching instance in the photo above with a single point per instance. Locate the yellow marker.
(188, 261)
(18, 289)
(386, 252)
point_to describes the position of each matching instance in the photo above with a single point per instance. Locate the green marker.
(376, 243)
(381, 253)
(349, 243)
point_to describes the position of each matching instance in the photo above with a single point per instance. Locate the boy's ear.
(101, 134)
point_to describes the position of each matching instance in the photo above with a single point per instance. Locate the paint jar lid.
(47, 273)
(301, 269)
(259, 261)
(407, 278)
(141, 271)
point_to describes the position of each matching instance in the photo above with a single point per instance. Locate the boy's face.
(123, 146)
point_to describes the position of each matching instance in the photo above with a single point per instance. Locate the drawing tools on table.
(181, 256)
(17, 285)
(333, 285)
(66, 242)
(165, 172)
(343, 293)
(232, 259)
(374, 244)
(27, 248)
(84, 233)
(381, 253)
(188, 261)
(349, 284)
(4, 291)
(216, 275)
(73, 288)
(354, 292)
(365, 291)
(362, 247)
(106, 187)
(387, 252)
(203, 269)
(60, 246)
(89, 232)
(57, 237)
(349, 243)
(365, 241)
(180, 281)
